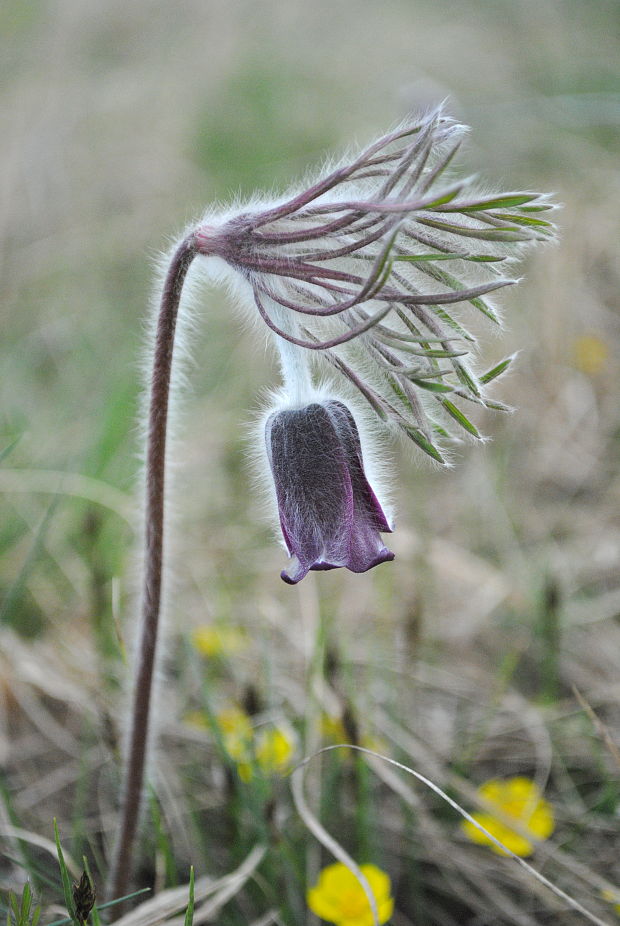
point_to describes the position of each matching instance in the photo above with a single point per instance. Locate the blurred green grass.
(122, 123)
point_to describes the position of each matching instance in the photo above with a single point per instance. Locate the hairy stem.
(146, 647)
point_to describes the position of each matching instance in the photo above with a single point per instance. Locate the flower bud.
(329, 514)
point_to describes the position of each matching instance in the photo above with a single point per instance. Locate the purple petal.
(329, 514)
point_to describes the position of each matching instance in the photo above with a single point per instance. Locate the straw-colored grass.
(489, 648)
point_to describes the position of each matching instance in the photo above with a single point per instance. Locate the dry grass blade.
(600, 727)
(55, 482)
(16, 832)
(209, 895)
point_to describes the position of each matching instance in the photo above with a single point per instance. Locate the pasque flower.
(329, 514)
(351, 272)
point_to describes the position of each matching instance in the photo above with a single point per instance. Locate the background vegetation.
(121, 122)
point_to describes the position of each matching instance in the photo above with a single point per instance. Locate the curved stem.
(136, 747)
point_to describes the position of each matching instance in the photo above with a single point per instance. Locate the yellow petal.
(322, 904)
(380, 883)
(339, 898)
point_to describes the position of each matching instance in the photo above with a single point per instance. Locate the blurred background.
(121, 123)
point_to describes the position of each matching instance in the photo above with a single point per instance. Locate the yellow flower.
(273, 750)
(590, 354)
(516, 798)
(212, 640)
(236, 731)
(339, 898)
(612, 897)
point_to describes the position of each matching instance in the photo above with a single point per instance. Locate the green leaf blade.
(423, 443)
(189, 913)
(497, 370)
(460, 418)
(64, 876)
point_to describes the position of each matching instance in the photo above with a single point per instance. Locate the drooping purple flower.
(329, 514)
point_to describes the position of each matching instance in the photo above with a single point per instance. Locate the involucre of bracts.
(368, 267)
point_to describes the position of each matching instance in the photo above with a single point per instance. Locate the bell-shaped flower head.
(329, 514)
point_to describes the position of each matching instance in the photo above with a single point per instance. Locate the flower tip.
(297, 571)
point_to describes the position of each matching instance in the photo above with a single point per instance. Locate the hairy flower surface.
(329, 514)
(518, 798)
(365, 268)
(339, 898)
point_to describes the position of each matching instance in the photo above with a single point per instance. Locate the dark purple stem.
(134, 760)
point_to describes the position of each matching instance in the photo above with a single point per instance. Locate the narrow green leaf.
(507, 201)
(413, 339)
(189, 913)
(452, 323)
(25, 904)
(431, 386)
(467, 379)
(418, 257)
(442, 276)
(444, 198)
(440, 430)
(432, 352)
(542, 207)
(423, 443)
(398, 391)
(486, 403)
(499, 233)
(420, 373)
(522, 220)
(383, 267)
(478, 258)
(458, 416)
(497, 406)
(117, 900)
(496, 371)
(64, 875)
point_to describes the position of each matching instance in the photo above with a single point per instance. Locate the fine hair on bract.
(359, 279)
